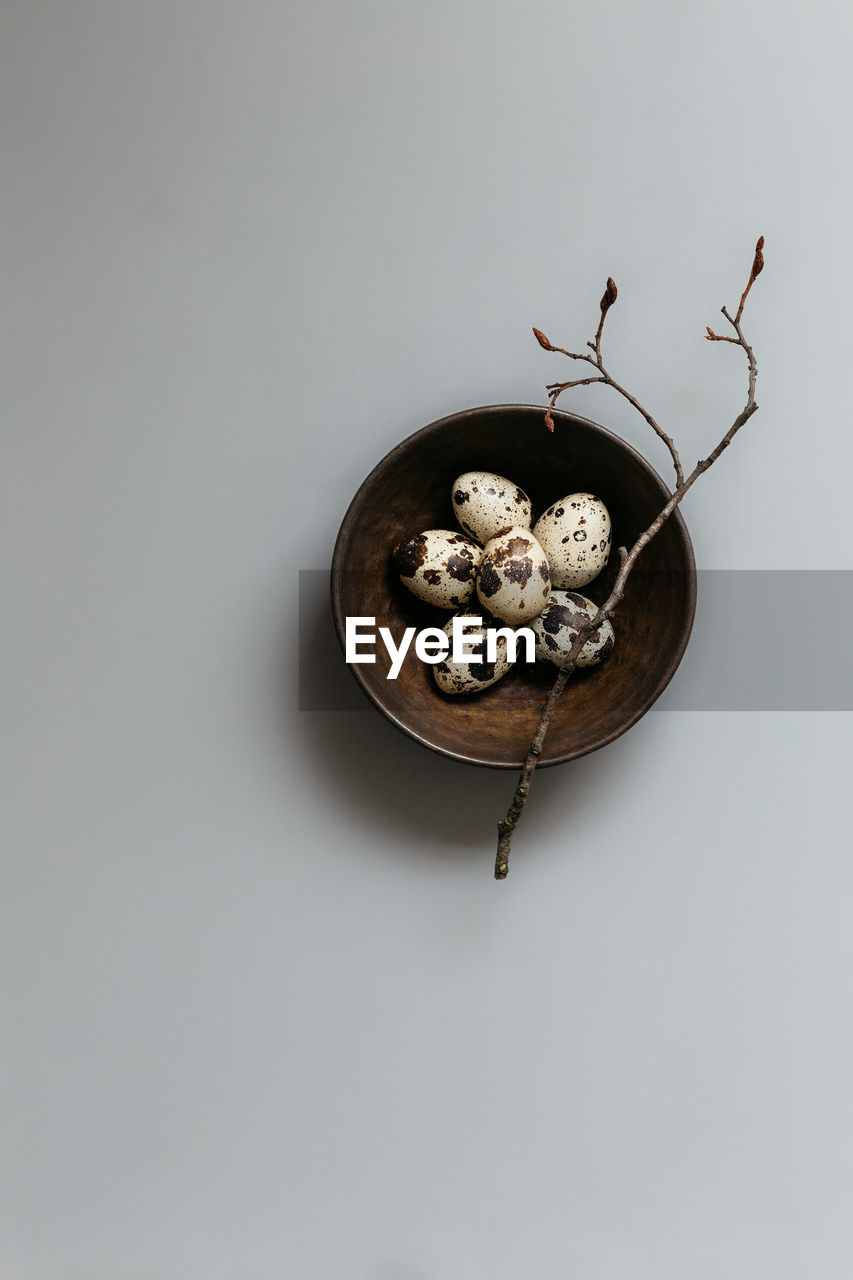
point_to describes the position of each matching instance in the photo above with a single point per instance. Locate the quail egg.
(575, 535)
(557, 627)
(438, 566)
(513, 581)
(471, 677)
(485, 504)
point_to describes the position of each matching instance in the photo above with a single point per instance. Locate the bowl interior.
(409, 491)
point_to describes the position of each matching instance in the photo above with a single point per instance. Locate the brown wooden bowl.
(409, 491)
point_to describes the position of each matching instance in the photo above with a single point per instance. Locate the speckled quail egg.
(438, 566)
(472, 677)
(559, 623)
(575, 535)
(513, 581)
(485, 504)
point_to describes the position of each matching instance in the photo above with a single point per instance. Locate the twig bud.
(549, 421)
(542, 340)
(758, 260)
(609, 296)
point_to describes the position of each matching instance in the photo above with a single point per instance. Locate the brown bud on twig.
(549, 422)
(709, 333)
(542, 340)
(609, 296)
(758, 261)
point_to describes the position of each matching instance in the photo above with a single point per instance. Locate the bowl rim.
(337, 574)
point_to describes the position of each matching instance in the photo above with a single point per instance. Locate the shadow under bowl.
(409, 491)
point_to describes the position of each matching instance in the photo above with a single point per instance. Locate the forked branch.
(556, 389)
(628, 558)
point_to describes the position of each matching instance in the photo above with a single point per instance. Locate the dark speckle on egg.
(518, 569)
(515, 547)
(459, 567)
(556, 617)
(488, 580)
(409, 556)
(607, 648)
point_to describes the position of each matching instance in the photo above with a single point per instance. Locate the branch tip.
(609, 296)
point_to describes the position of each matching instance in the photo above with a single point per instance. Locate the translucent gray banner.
(763, 640)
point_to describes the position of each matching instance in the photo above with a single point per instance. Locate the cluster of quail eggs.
(500, 570)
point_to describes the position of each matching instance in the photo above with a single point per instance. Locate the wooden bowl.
(409, 491)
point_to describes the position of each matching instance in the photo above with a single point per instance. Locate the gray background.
(264, 1012)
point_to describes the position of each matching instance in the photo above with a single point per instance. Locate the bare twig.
(556, 389)
(628, 558)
